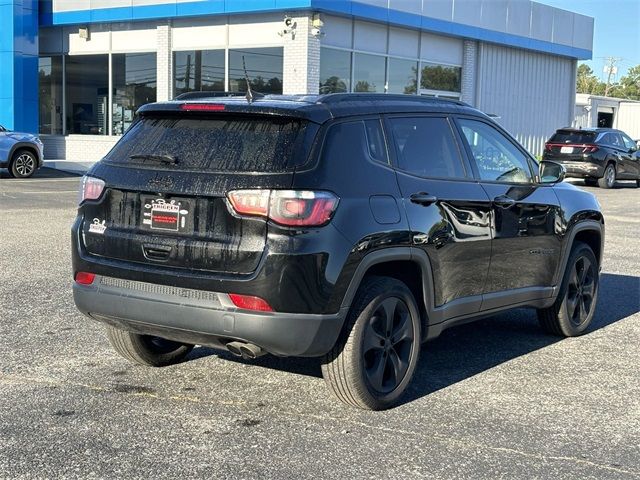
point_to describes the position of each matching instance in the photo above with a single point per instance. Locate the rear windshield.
(224, 144)
(565, 136)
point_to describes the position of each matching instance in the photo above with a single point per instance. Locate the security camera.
(288, 22)
(316, 32)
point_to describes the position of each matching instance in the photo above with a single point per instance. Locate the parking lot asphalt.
(493, 399)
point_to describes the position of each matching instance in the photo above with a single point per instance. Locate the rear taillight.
(85, 278)
(90, 188)
(548, 147)
(290, 208)
(590, 149)
(248, 302)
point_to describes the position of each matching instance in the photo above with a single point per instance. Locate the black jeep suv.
(350, 227)
(598, 155)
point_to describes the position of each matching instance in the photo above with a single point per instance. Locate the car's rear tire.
(573, 311)
(608, 180)
(23, 164)
(375, 358)
(145, 349)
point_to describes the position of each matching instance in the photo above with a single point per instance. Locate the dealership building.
(75, 71)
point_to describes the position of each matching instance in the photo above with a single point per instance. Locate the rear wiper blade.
(169, 159)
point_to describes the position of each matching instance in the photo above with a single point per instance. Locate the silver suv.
(21, 153)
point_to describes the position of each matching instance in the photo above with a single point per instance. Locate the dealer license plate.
(566, 149)
(164, 214)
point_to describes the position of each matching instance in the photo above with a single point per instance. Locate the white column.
(164, 63)
(301, 66)
(469, 76)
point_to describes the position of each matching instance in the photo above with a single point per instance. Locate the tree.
(629, 86)
(587, 82)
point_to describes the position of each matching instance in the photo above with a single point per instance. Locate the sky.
(616, 31)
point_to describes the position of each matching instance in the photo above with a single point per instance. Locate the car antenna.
(250, 94)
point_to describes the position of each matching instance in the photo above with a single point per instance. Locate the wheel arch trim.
(394, 254)
(582, 226)
(24, 145)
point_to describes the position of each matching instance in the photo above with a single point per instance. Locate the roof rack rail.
(333, 98)
(208, 94)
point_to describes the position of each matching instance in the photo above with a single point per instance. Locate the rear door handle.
(504, 201)
(423, 198)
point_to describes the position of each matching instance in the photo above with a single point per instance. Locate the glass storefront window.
(403, 76)
(87, 90)
(264, 68)
(134, 84)
(198, 70)
(440, 77)
(335, 71)
(50, 94)
(368, 73)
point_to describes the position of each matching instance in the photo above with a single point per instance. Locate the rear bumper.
(201, 317)
(583, 169)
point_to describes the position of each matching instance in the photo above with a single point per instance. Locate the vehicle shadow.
(43, 173)
(464, 351)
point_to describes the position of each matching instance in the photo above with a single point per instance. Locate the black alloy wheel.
(375, 358)
(581, 290)
(387, 345)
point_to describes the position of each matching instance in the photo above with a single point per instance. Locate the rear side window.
(426, 147)
(224, 144)
(569, 136)
(356, 140)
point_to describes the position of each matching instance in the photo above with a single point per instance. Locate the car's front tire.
(573, 311)
(23, 164)
(375, 358)
(145, 349)
(608, 180)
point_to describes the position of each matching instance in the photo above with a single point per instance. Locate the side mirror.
(551, 172)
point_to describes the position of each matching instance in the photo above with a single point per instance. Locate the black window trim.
(322, 135)
(393, 153)
(531, 162)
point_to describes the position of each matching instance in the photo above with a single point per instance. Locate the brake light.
(90, 188)
(590, 149)
(290, 208)
(248, 302)
(548, 147)
(85, 278)
(202, 107)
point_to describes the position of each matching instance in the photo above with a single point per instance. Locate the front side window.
(426, 147)
(264, 69)
(628, 143)
(497, 158)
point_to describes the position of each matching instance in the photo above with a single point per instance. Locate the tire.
(23, 164)
(591, 182)
(608, 180)
(572, 313)
(145, 349)
(360, 370)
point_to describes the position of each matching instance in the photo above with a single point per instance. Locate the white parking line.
(43, 192)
